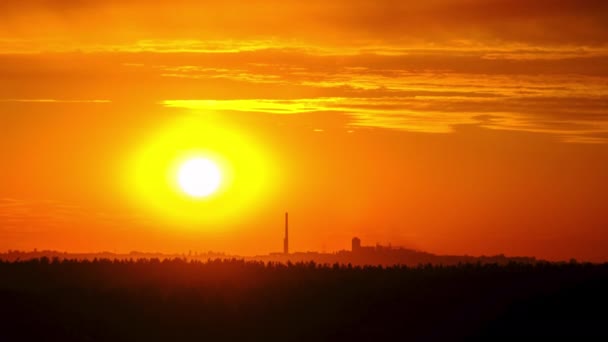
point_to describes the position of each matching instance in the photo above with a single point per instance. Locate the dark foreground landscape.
(176, 300)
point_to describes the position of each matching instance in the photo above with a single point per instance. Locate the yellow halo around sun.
(196, 172)
(199, 177)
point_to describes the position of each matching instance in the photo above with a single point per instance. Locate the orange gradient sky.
(452, 126)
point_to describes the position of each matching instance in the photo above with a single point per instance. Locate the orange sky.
(452, 126)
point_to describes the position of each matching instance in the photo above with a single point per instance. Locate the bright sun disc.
(199, 177)
(194, 173)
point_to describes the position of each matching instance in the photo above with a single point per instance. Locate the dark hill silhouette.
(389, 256)
(370, 255)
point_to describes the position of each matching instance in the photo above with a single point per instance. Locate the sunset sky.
(451, 126)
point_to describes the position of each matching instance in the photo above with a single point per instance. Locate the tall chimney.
(286, 239)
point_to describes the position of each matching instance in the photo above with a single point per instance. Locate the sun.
(196, 171)
(199, 177)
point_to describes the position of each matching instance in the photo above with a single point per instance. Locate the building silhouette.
(356, 245)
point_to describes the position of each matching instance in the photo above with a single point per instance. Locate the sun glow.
(197, 170)
(199, 177)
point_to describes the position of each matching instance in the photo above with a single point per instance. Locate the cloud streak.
(574, 107)
(537, 22)
(421, 115)
(53, 101)
(414, 66)
(27, 216)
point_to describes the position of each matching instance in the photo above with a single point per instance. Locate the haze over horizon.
(474, 127)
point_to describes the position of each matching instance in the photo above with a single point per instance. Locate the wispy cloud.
(573, 107)
(425, 66)
(411, 114)
(21, 215)
(540, 22)
(53, 101)
(491, 50)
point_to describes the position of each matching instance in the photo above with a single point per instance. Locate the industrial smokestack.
(286, 239)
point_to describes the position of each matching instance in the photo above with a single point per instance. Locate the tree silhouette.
(176, 299)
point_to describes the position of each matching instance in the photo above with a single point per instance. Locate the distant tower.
(356, 246)
(286, 239)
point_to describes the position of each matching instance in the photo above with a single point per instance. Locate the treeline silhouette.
(178, 300)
